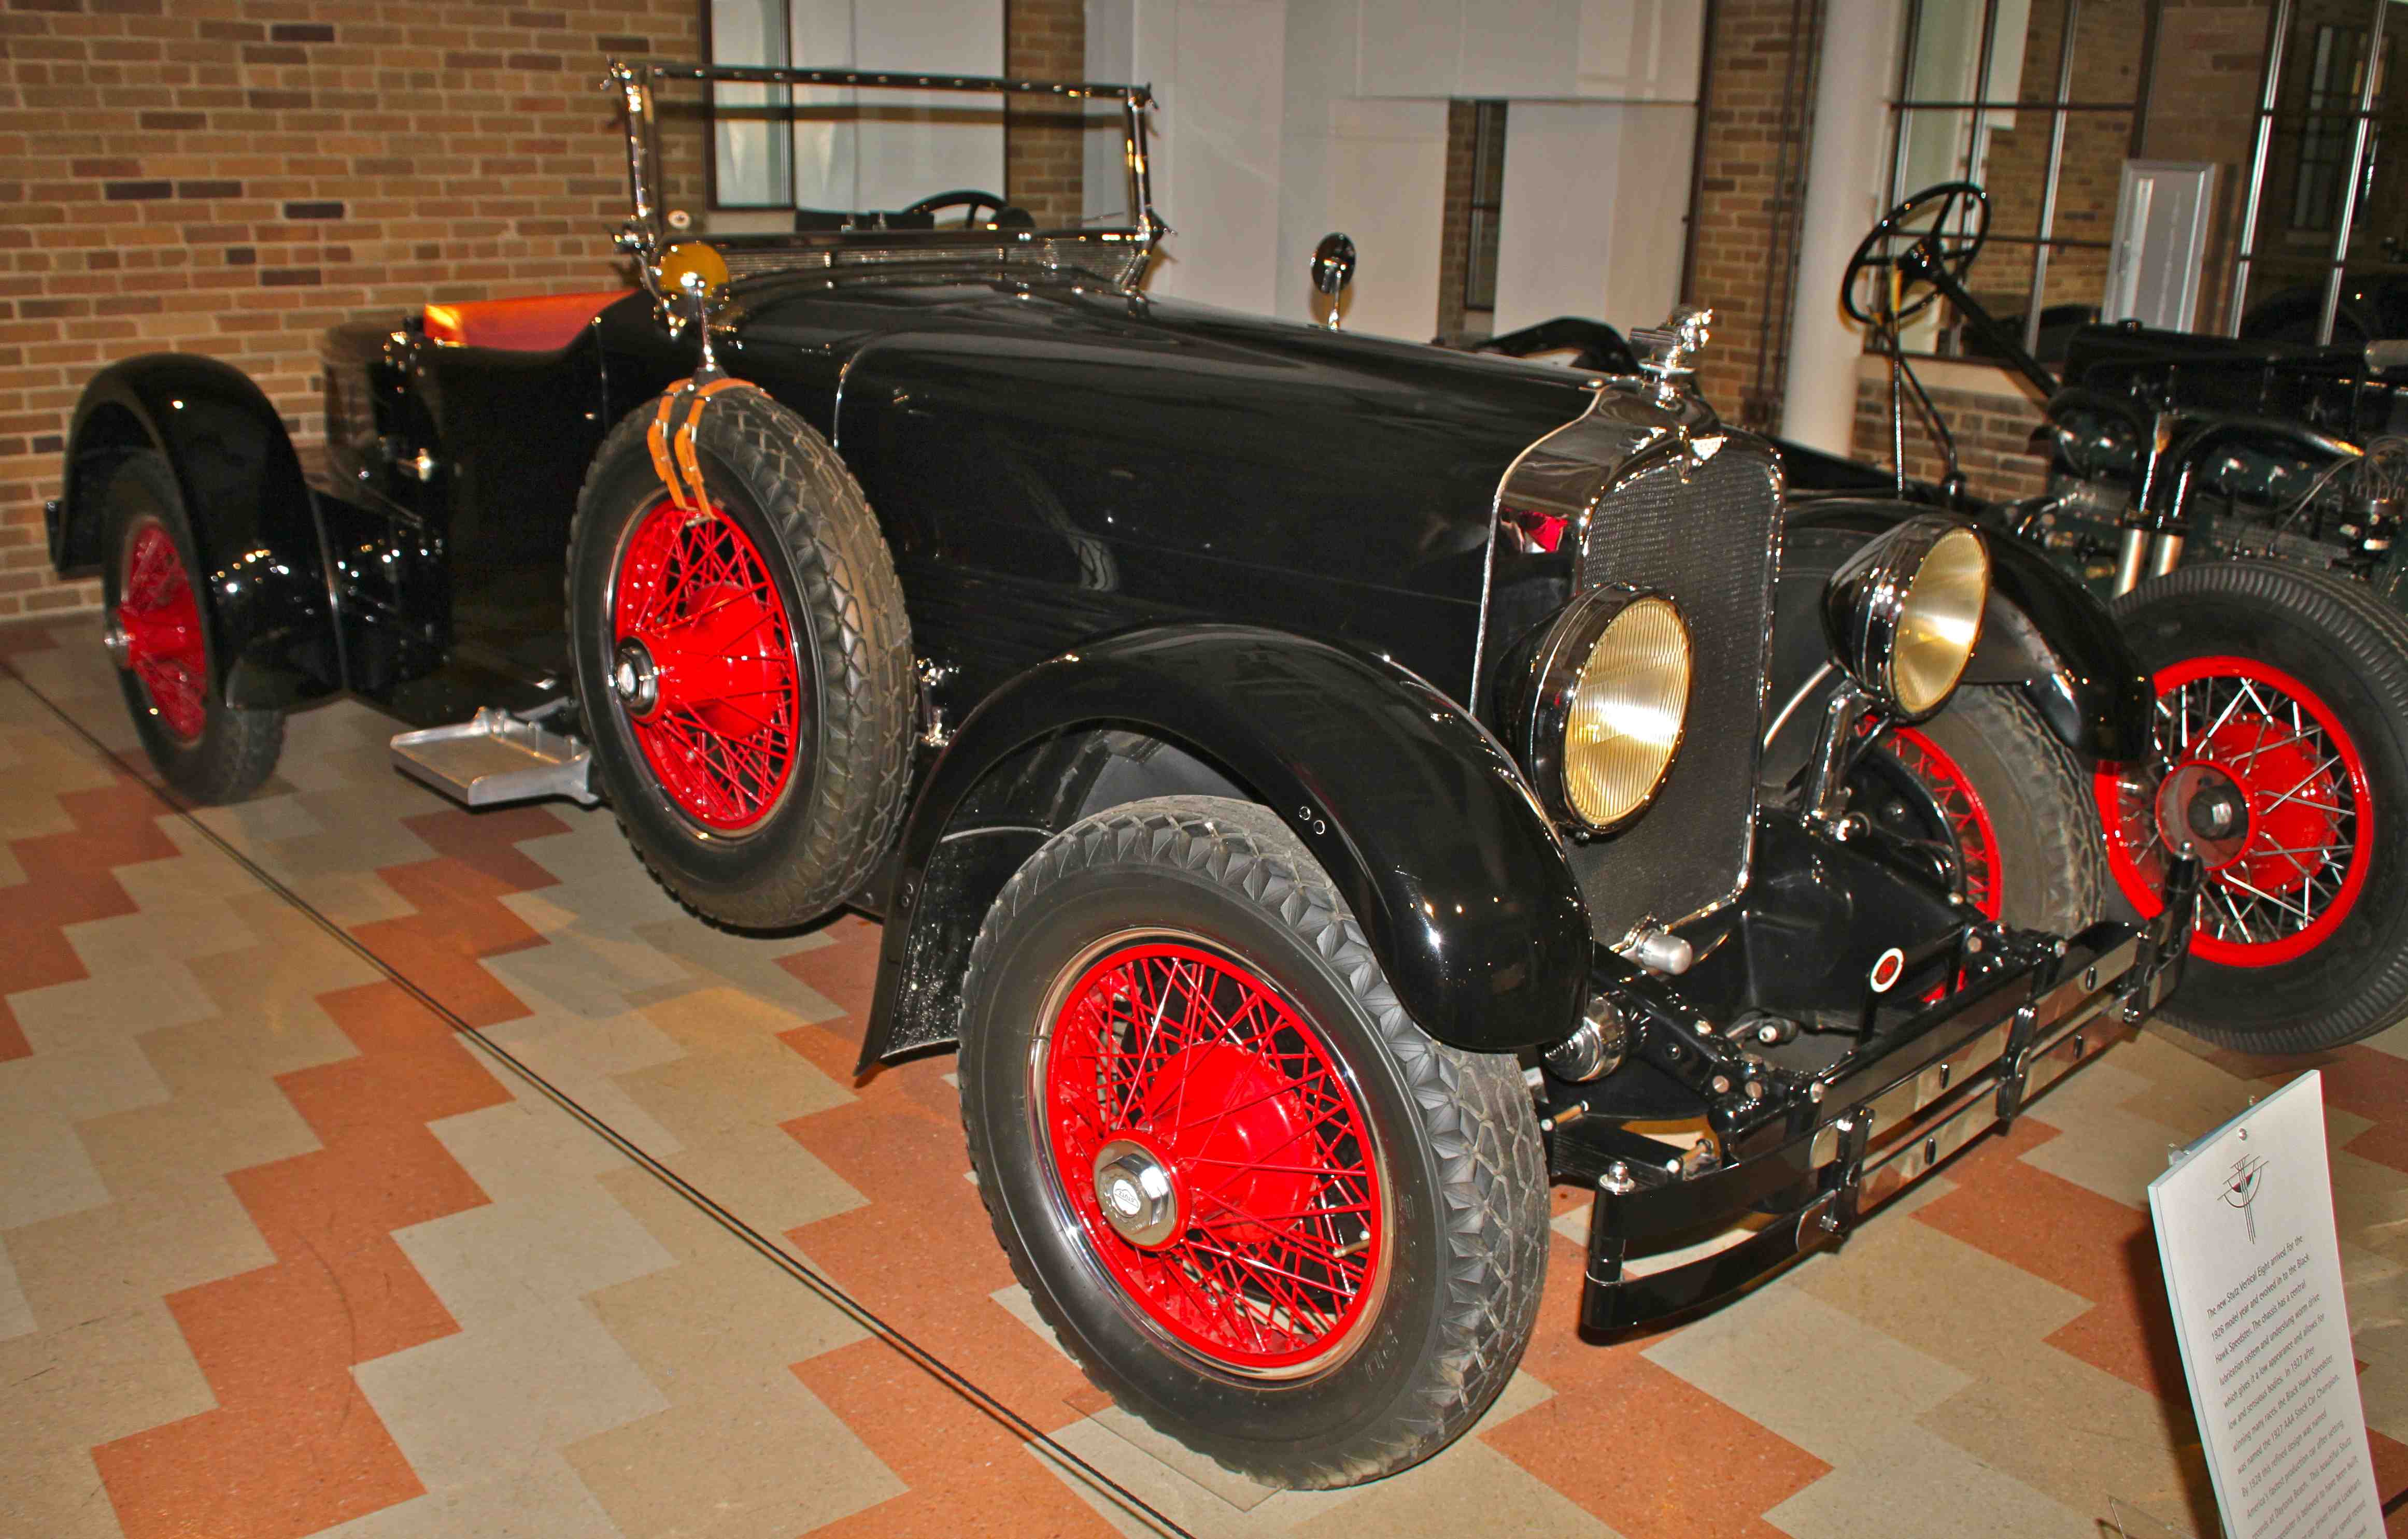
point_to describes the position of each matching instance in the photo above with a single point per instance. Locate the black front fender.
(270, 622)
(1414, 811)
(2043, 634)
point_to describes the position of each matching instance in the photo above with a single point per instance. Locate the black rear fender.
(264, 594)
(2043, 634)
(1422, 823)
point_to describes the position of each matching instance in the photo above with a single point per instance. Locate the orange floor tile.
(283, 1253)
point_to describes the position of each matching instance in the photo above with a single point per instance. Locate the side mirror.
(1333, 268)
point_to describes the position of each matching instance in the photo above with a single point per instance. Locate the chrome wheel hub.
(635, 679)
(119, 645)
(1135, 1190)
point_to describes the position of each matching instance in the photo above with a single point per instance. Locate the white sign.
(2245, 1223)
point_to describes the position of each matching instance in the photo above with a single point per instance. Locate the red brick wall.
(1993, 436)
(1741, 213)
(1454, 224)
(1044, 40)
(231, 177)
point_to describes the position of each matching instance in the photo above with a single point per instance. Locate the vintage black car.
(2239, 501)
(1313, 779)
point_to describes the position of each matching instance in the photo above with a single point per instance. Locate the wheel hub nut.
(2202, 811)
(1136, 1194)
(634, 679)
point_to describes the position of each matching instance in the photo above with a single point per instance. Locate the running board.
(495, 757)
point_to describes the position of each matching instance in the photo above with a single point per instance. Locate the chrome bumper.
(1970, 1064)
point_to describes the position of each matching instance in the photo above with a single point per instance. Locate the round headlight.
(1604, 697)
(1941, 620)
(1904, 613)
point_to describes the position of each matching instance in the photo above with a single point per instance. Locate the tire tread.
(1493, 1178)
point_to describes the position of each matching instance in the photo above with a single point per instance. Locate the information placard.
(2244, 1221)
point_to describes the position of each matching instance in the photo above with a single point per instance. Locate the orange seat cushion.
(544, 323)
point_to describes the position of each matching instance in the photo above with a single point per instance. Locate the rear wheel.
(1265, 1211)
(744, 664)
(2283, 735)
(207, 749)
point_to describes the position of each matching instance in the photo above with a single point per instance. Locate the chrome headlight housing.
(1603, 699)
(1904, 613)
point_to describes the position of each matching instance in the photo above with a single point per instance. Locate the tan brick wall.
(1454, 224)
(1993, 436)
(1756, 48)
(231, 177)
(1044, 40)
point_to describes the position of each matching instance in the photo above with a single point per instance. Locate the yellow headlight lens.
(691, 256)
(1939, 620)
(1627, 712)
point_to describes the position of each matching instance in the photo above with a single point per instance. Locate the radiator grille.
(1714, 542)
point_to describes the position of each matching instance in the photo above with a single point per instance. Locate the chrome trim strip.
(1497, 518)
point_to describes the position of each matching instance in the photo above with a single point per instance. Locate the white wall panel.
(1388, 192)
(957, 140)
(1591, 223)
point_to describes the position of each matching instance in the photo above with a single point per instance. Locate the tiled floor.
(281, 1253)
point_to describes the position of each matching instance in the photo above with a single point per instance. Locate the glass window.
(823, 149)
(2039, 102)
(2323, 228)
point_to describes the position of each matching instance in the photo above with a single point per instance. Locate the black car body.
(1150, 549)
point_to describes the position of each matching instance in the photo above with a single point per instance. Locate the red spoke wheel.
(1265, 1211)
(160, 624)
(2268, 789)
(705, 665)
(1951, 805)
(743, 663)
(1214, 1151)
(2282, 736)
(157, 635)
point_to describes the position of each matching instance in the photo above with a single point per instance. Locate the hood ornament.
(1664, 351)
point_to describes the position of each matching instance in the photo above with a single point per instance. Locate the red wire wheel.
(2295, 863)
(704, 666)
(1214, 1155)
(1960, 805)
(160, 617)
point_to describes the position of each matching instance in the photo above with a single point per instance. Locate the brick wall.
(231, 177)
(1744, 204)
(2202, 106)
(1455, 224)
(1044, 40)
(1993, 433)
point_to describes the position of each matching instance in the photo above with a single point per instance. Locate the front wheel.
(1985, 778)
(2282, 729)
(1266, 1212)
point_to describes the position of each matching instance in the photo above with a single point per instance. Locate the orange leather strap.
(672, 439)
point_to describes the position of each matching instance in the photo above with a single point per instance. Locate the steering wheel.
(1944, 227)
(970, 200)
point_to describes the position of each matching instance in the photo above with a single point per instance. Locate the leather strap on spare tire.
(743, 655)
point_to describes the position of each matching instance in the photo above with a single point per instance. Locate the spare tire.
(744, 663)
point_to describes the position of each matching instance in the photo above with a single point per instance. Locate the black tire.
(1987, 776)
(2335, 639)
(1442, 1322)
(811, 844)
(223, 753)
